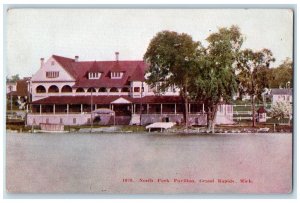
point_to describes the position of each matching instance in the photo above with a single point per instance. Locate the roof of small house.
(261, 110)
(133, 70)
(283, 91)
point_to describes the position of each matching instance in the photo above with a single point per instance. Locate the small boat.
(160, 125)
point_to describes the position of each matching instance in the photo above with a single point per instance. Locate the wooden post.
(147, 108)
(161, 108)
(203, 108)
(53, 108)
(81, 108)
(189, 108)
(40, 109)
(67, 108)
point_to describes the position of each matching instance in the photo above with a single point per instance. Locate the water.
(148, 163)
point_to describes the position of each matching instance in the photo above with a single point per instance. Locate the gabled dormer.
(116, 71)
(94, 72)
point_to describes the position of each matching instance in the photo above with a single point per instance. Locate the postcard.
(149, 101)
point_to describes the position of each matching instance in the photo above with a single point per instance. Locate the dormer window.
(93, 75)
(116, 75)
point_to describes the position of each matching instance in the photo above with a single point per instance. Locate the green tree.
(172, 58)
(216, 81)
(252, 74)
(282, 76)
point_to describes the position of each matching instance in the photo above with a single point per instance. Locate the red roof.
(138, 75)
(107, 99)
(79, 70)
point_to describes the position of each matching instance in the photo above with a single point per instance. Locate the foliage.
(13, 78)
(216, 73)
(281, 110)
(282, 76)
(252, 73)
(172, 58)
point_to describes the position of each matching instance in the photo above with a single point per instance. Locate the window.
(136, 89)
(52, 74)
(116, 75)
(94, 75)
(40, 89)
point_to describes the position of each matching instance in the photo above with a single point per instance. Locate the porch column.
(40, 109)
(203, 108)
(161, 108)
(53, 108)
(147, 108)
(81, 108)
(131, 108)
(95, 106)
(112, 107)
(189, 108)
(27, 108)
(67, 108)
(134, 107)
(175, 110)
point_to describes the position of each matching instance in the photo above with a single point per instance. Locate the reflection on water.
(98, 163)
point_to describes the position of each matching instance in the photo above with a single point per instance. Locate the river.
(159, 163)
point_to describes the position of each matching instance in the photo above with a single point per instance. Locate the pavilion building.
(69, 91)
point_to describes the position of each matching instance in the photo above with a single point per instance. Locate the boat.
(160, 125)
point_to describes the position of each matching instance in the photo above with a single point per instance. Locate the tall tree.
(172, 57)
(216, 79)
(252, 73)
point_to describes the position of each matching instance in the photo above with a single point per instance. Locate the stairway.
(135, 119)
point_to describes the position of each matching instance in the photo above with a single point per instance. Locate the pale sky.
(95, 34)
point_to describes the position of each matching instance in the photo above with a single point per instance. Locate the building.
(281, 95)
(70, 91)
(261, 115)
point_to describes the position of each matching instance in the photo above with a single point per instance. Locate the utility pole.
(91, 109)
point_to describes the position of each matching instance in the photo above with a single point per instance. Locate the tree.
(282, 76)
(14, 78)
(252, 73)
(216, 79)
(172, 58)
(281, 110)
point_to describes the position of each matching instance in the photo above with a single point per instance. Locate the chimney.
(42, 62)
(76, 58)
(117, 56)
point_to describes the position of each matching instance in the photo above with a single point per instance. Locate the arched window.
(125, 89)
(53, 89)
(91, 89)
(113, 89)
(66, 88)
(80, 89)
(40, 89)
(102, 89)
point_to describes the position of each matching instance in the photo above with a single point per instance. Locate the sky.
(96, 34)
